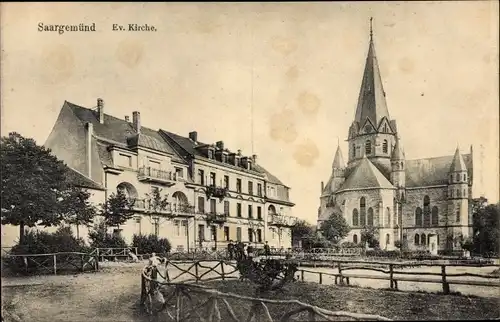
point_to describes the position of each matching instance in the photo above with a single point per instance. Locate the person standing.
(267, 249)
(230, 249)
(154, 261)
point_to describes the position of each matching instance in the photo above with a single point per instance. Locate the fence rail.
(182, 301)
(115, 253)
(394, 276)
(54, 262)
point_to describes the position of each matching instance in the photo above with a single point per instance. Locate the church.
(425, 204)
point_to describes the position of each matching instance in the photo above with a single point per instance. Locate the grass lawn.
(113, 295)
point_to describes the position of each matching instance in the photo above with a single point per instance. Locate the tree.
(301, 229)
(34, 184)
(157, 203)
(77, 210)
(487, 229)
(369, 235)
(335, 227)
(117, 210)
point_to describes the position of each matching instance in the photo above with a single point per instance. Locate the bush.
(147, 244)
(348, 244)
(383, 253)
(100, 238)
(42, 242)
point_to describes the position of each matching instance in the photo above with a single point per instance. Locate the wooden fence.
(393, 274)
(115, 253)
(188, 301)
(54, 262)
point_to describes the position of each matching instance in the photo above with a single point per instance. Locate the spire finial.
(371, 28)
(338, 141)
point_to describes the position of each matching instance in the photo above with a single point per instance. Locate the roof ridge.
(438, 157)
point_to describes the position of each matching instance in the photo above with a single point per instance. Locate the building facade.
(214, 195)
(424, 203)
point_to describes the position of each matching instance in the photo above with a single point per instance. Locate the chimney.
(136, 119)
(90, 130)
(193, 136)
(127, 118)
(254, 158)
(219, 145)
(100, 110)
(239, 152)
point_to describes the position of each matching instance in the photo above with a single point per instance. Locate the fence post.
(446, 286)
(83, 263)
(391, 275)
(321, 278)
(55, 264)
(222, 269)
(25, 260)
(196, 270)
(340, 273)
(302, 275)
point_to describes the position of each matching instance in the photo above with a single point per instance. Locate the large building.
(424, 203)
(214, 195)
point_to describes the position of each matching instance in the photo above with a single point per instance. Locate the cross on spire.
(371, 27)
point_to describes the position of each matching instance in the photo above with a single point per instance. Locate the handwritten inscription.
(134, 27)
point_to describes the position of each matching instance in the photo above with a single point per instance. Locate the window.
(384, 146)
(213, 206)
(362, 206)
(179, 172)
(422, 239)
(465, 177)
(117, 232)
(156, 226)
(250, 209)
(201, 205)
(259, 212)
(238, 233)
(124, 160)
(250, 187)
(457, 177)
(387, 239)
(370, 216)
(355, 238)
(353, 150)
(201, 177)
(212, 178)
(238, 210)
(259, 189)
(458, 216)
(368, 147)
(213, 233)
(417, 239)
(387, 217)
(259, 235)
(154, 164)
(238, 185)
(201, 232)
(226, 208)
(226, 233)
(418, 217)
(138, 225)
(355, 218)
(427, 211)
(435, 216)
(250, 235)
(226, 182)
(177, 227)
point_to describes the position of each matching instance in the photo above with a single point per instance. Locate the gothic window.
(465, 177)
(370, 216)
(401, 166)
(355, 218)
(427, 211)
(451, 193)
(451, 177)
(422, 239)
(457, 177)
(458, 215)
(465, 193)
(417, 239)
(387, 217)
(435, 216)
(418, 217)
(384, 146)
(387, 239)
(458, 193)
(355, 238)
(353, 150)
(368, 147)
(362, 206)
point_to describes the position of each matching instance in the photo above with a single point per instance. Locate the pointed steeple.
(458, 163)
(371, 100)
(397, 152)
(338, 161)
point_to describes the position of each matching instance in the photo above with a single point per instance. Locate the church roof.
(365, 175)
(458, 163)
(371, 101)
(338, 160)
(433, 171)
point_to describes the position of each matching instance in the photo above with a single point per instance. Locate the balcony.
(217, 192)
(139, 204)
(280, 220)
(215, 218)
(155, 175)
(182, 209)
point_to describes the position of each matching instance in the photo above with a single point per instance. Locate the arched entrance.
(128, 189)
(180, 201)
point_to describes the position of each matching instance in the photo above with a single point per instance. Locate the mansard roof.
(433, 171)
(364, 176)
(371, 101)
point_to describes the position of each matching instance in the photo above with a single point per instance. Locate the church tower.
(398, 169)
(458, 196)
(372, 132)
(338, 169)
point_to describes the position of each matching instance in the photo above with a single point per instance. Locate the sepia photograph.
(251, 161)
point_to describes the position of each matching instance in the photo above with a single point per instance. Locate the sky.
(280, 80)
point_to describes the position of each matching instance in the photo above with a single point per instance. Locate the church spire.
(371, 101)
(338, 161)
(397, 152)
(458, 163)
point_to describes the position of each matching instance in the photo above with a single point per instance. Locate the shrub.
(147, 244)
(348, 244)
(100, 238)
(383, 253)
